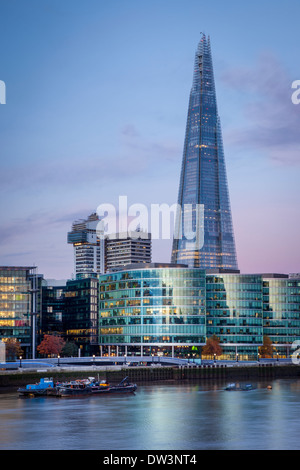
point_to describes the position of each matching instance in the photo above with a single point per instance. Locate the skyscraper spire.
(203, 180)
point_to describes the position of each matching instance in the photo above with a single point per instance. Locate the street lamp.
(214, 358)
(93, 359)
(58, 359)
(20, 361)
(277, 357)
(237, 358)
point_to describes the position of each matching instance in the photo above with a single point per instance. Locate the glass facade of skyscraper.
(151, 310)
(203, 180)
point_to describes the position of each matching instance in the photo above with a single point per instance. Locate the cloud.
(135, 156)
(36, 223)
(69, 173)
(272, 120)
(38, 239)
(130, 130)
(18, 254)
(150, 150)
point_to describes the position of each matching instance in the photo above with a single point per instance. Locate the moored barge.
(76, 388)
(37, 389)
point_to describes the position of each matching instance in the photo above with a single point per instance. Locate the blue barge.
(37, 389)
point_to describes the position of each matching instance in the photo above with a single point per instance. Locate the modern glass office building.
(80, 316)
(169, 310)
(71, 311)
(16, 306)
(281, 313)
(241, 309)
(53, 306)
(203, 236)
(234, 313)
(154, 309)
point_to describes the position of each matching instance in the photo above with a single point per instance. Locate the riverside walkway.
(132, 361)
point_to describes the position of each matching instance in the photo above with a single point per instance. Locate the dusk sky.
(96, 105)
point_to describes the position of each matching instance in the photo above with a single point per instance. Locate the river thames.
(158, 416)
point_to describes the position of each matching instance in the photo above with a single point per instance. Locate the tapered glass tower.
(203, 236)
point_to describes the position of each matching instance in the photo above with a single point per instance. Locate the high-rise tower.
(96, 252)
(89, 258)
(203, 181)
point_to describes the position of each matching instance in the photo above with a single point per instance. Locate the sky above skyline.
(96, 102)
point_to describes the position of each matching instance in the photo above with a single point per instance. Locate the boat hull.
(239, 388)
(127, 389)
(37, 389)
(73, 392)
(32, 393)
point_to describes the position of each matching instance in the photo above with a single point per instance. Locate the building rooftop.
(132, 266)
(18, 268)
(274, 275)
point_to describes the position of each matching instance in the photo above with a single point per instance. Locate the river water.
(159, 416)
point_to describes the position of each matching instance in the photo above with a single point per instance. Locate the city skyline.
(96, 107)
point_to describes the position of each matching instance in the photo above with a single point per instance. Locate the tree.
(212, 347)
(70, 349)
(51, 345)
(266, 350)
(13, 349)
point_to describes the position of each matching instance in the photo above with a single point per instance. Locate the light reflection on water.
(165, 417)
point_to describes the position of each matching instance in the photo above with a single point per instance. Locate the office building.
(234, 313)
(53, 306)
(281, 311)
(168, 310)
(71, 312)
(89, 257)
(94, 254)
(80, 315)
(152, 309)
(204, 236)
(123, 249)
(19, 287)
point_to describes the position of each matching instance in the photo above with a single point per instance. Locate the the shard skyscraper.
(203, 236)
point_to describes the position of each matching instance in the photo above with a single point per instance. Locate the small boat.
(236, 387)
(45, 384)
(123, 387)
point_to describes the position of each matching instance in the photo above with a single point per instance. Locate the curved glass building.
(153, 310)
(281, 296)
(234, 310)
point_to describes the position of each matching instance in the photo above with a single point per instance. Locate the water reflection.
(187, 416)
